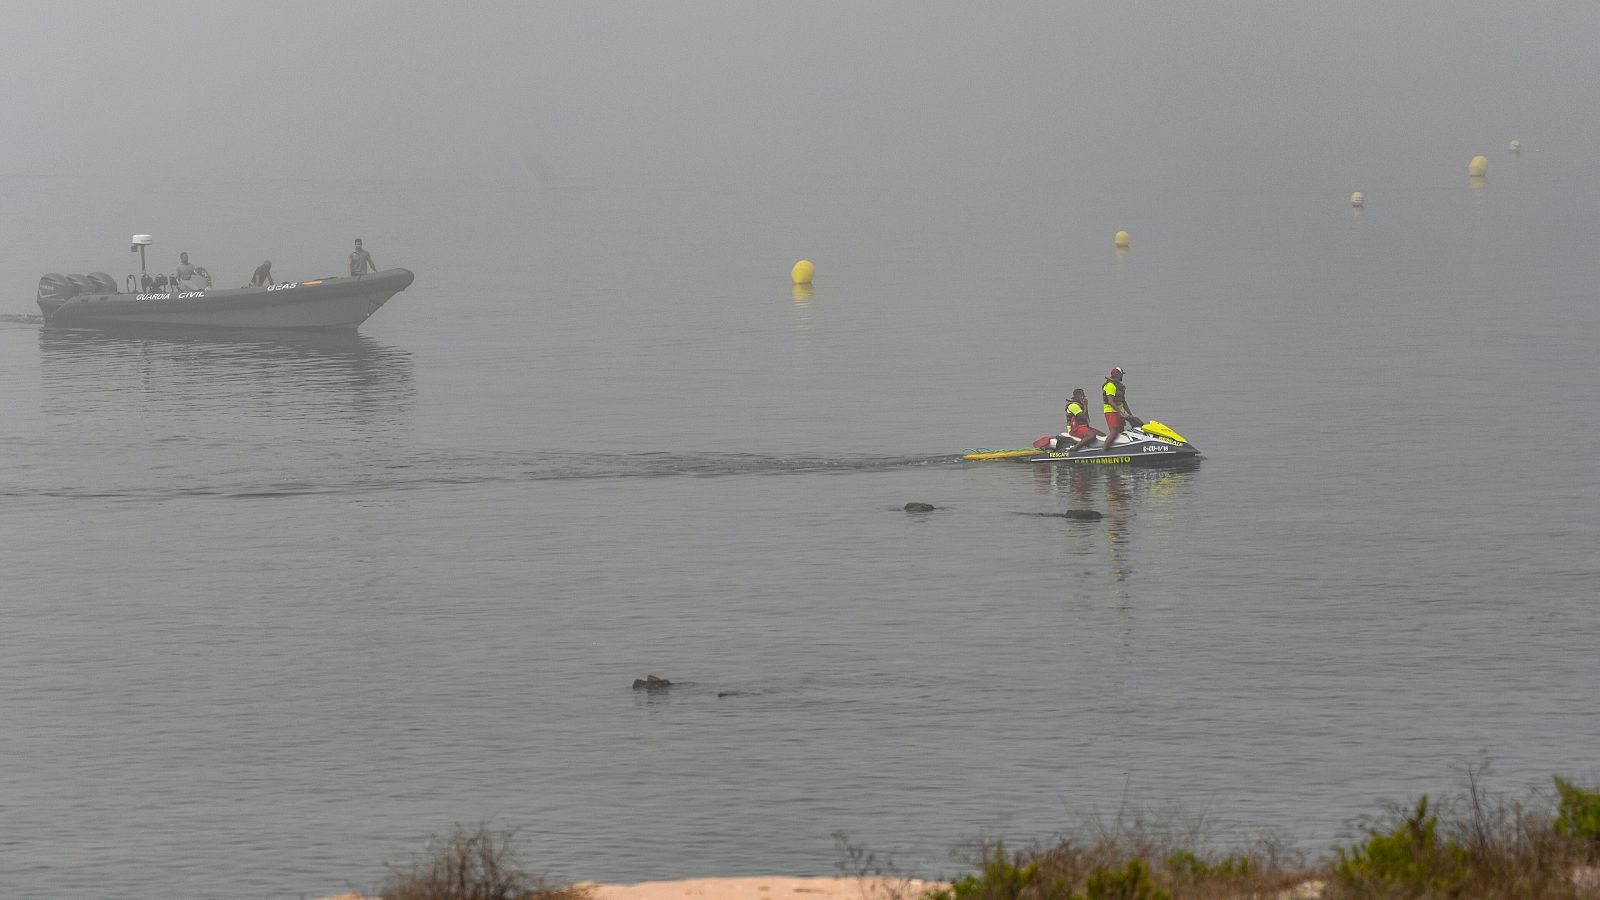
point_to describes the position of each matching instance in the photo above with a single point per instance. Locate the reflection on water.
(1480, 196)
(329, 376)
(1119, 485)
(1135, 504)
(802, 294)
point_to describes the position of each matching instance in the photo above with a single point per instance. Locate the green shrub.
(1408, 860)
(1004, 877)
(1138, 857)
(1231, 867)
(1183, 865)
(1131, 882)
(1578, 815)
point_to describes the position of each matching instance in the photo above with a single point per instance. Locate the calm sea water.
(277, 607)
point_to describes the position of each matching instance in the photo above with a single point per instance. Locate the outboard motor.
(82, 283)
(57, 287)
(103, 283)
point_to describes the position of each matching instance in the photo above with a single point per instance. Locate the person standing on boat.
(361, 261)
(1116, 406)
(262, 276)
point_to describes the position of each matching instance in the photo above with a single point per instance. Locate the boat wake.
(710, 465)
(574, 465)
(436, 470)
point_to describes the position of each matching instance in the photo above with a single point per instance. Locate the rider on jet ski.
(1116, 407)
(1079, 432)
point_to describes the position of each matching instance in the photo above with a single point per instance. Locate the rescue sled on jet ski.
(1145, 444)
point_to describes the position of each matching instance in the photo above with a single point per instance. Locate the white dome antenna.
(141, 241)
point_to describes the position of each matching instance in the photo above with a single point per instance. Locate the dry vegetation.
(475, 864)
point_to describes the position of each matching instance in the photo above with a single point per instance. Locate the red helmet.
(1116, 373)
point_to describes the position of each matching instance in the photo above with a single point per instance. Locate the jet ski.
(1145, 444)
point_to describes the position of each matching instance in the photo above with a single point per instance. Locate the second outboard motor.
(103, 283)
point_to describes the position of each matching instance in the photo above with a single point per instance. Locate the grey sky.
(703, 91)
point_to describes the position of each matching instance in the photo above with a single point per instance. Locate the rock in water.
(919, 507)
(650, 683)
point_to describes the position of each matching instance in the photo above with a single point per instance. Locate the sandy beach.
(754, 888)
(774, 888)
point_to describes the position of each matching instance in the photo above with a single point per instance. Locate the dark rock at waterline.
(1082, 515)
(651, 683)
(920, 507)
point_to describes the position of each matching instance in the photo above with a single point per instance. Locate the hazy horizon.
(718, 92)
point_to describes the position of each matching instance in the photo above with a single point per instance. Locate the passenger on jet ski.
(1079, 431)
(1116, 406)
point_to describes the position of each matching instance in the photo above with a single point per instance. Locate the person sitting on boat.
(1116, 406)
(262, 276)
(1079, 431)
(361, 261)
(191, 278)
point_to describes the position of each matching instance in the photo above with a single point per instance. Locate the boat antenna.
(141, 241)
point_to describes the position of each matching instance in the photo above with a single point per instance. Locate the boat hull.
(1145, 455)
(1136, 447)
(326, 303)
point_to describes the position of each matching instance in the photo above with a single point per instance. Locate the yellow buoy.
(802, 272)
(1121, 240)
(1357, 198)
(1479, 167)
(1514, 146)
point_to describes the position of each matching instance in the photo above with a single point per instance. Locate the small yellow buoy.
(1357, 199)
(802, 272)
(1514, 146)
(1479, 167)
(1121, 240)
